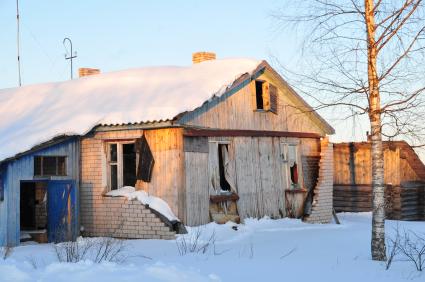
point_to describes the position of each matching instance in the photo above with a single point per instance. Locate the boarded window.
(196, 144)
(146, 160)
(49, 166)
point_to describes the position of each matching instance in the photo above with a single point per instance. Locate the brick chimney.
(200, 57)
(87, 71)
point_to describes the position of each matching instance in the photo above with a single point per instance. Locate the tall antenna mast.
(18, 43)
(71, 54)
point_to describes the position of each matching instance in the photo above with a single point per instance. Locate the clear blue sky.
(114, 35)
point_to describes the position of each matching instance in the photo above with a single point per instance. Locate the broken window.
(222, 150)
(291, 158)
(122, 165)
(293, 165)
(49, 166)
(222, 174)
(129, 162)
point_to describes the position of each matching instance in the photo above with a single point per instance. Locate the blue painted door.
(61, 211)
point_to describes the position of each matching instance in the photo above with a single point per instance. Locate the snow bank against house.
(154, 203)
(36, 113)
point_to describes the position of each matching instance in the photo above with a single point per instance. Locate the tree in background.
(366, 56)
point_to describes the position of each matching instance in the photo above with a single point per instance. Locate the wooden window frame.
(212, 174)
(56, 166)
(284, 155)
(266, 97)
(118, 163)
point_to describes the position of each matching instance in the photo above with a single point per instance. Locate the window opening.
(259, 94)
(129, 164)
(49, 166)
(221, 159)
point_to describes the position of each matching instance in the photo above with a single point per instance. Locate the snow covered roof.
(33, 114)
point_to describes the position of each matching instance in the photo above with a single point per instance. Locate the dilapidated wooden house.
(218, 140)
(404, 179)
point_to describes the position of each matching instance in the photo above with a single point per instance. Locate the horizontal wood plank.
(246, 133)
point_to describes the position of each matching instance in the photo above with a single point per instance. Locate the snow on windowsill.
(153, 202)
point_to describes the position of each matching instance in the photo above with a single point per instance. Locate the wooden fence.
(405, 202)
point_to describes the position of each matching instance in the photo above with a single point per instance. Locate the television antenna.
(72, 55)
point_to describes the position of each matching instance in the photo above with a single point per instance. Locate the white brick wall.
(323, 192)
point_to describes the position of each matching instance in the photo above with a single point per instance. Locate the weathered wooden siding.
(237, 111)
(197, 196)
(260, 176)
(406, 171)
(167, 175)
(396, 170)
(405, 202)
(23, 169)
(259, 173)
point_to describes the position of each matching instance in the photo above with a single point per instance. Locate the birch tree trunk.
(378, 188)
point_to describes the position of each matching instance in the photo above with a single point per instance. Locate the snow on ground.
(155, 203)
(260, 250)
(36, 113)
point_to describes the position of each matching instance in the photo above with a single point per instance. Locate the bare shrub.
(194, 244)
(110, 249)
(73, 251)
(5, 252)
(412, 246)
(393, 248)
(98, 250)
(408, 246)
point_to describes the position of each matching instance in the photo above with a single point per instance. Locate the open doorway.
(33, 211)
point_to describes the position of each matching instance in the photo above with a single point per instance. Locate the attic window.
(49, 166)
(266, 97)
(259, 94)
